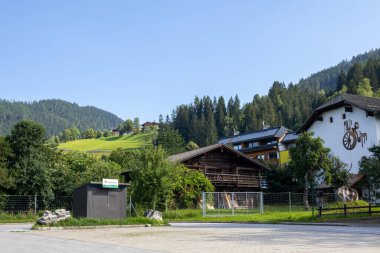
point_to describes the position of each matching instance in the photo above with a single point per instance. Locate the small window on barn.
(331, 120)
(344, 116)
(370, 114)
(348, 108)
(320, 118)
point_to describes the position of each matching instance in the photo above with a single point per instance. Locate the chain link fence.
(232, 203)
(33, 203)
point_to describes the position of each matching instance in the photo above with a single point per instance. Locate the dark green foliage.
(55, 115)
(153, 178)
(338, 175)
(89, 134)
(308, 159)
(170, 140)
(189, 188)
(280, 179)
(370, 166)
(327, 79)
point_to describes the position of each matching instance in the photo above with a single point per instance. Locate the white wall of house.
(332, 133)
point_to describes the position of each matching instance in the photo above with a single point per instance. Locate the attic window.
(348, 108)
(344, 116)
(320, 118)
(331, 120)
(370, 114)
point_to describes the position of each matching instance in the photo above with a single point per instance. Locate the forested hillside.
(55, 115)
(327, 79)
(206, 120)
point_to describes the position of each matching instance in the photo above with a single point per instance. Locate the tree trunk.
(306, 193)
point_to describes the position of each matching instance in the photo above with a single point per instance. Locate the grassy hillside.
(110, 143)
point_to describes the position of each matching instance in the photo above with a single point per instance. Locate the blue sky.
(143, 58)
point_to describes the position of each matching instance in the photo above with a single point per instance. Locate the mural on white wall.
(353, 135)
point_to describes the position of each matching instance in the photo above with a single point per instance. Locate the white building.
(349, 125)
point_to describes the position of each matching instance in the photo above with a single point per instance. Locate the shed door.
(114, 205)
(99, 203)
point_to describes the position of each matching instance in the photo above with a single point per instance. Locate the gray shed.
(93, 201)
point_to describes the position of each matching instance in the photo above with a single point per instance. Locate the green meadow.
(107, 144)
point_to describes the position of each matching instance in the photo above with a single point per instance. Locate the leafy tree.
(31, 162)
(308, 159)
(89, 134)
(106, 133)
(153, 178)
(338, 175)
(191, 146)
(370, 166)
(170, 140)
(189, 187)
(6, 181)
(136, 124)
(127, 126)
(364, 88)
(99, 134)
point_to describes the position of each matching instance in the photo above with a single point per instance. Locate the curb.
(315, 224)
(89, 227)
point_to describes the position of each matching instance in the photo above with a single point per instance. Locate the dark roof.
(365, 103)
(290, 137)
(275, 132)
(197, 152)
(354, 179)
(148, 123)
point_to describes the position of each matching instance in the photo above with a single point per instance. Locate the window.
(370, 114)
(273, 155)
(320, 118)
(344, 116)
(348, 108)
(331, 120)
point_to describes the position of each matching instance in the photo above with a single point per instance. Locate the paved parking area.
(199, 238)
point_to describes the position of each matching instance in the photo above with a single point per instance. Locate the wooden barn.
(227, 169)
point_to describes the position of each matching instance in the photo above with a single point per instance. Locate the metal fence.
(33, 203)
(232, 203)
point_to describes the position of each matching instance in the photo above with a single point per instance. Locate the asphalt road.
(191, 237)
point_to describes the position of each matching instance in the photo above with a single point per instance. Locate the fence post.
(369, 209)
(130, 205)
(345, 210)
(233, 203)
(35, 204)
(203, 204)
(290, 201)
(261, 203)
(320, 211)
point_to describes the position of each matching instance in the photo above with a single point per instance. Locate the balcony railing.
(235, 179)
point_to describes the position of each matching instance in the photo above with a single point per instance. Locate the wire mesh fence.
(232, 203)
(33, 203)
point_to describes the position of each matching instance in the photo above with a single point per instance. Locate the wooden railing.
(347, 210)
(239, 180)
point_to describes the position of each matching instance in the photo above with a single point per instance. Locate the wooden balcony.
(234, 180)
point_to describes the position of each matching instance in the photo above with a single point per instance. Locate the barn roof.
(182, 157)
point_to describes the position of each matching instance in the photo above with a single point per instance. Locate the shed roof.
(365, 103)
(275, 132)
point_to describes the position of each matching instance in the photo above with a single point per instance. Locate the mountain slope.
(55, 115)
(326, 79)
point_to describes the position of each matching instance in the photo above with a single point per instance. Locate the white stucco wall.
(332, 134)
